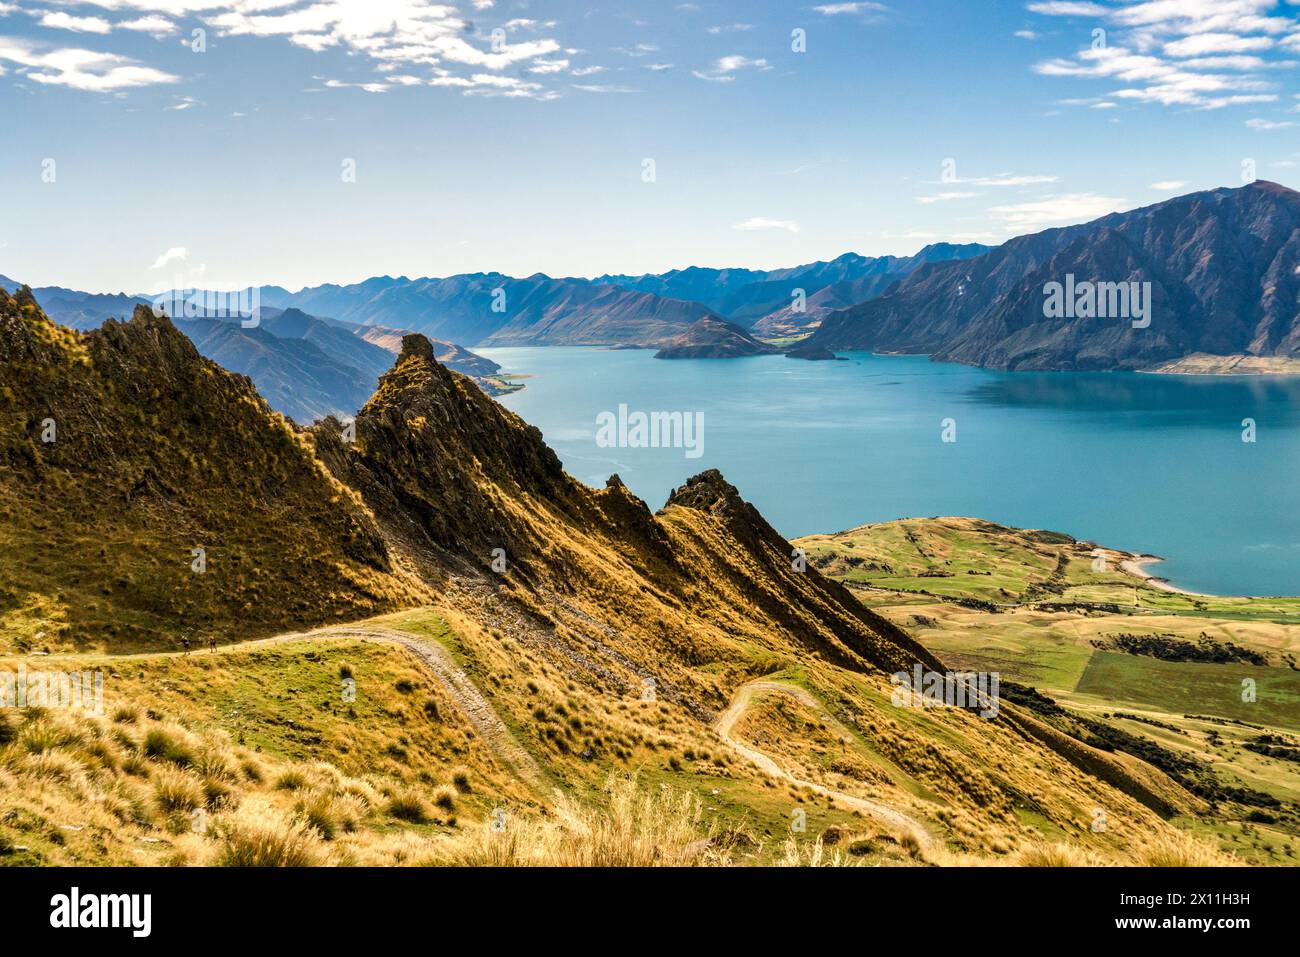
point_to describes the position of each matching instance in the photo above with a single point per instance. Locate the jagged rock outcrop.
(124, 451)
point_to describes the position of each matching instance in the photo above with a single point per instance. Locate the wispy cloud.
(946, 197)
(174, 255)
(1006, 179)
(1069, 8)
(1199, 54)
(755, 223)
(1168, 185)
(58, 20)
(79, 69)
(725, 68)
(850, 9)
(1063, 209)
(604, 88)
(149, 24)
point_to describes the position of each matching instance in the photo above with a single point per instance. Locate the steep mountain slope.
(1222, 268)
(123, 450)
(713, 338)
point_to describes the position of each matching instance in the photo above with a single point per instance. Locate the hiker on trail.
(185, 643)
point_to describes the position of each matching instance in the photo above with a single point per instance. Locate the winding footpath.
(486, 722)
(726, 722)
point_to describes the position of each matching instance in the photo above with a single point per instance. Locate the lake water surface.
(1140, 462)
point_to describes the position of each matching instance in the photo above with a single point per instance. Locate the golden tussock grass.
(635, 827)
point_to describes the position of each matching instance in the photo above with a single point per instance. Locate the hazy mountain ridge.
(491, 309)
(749, 296)
(1221, 266)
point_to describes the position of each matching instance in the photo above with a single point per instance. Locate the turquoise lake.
(1141, 462)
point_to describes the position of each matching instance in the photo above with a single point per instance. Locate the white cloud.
(1202, 43)
(1199, 54)
(176, 254)
(1265, 125)
(544, 66)
(392, 31)
(604, 88)
(837, 9)
(730, 28)
(1168, 185)
(79, 69)
(393, 34)
(658, 67)
(150, 24)
(1004, 179)
(1066, 208)
(492, 84)
(1235, 63)
(1069, 8)
(368, 87)
(57, 20)
(641, 49)
(724, 68)
(1026, 34)
(945, 197)
(761, 222)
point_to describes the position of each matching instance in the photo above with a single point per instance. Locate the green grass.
(1193, 688)
(956, 558)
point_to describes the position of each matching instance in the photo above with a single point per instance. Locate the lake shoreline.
(1135, 567)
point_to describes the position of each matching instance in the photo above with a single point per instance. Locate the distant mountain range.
(753, 298)
(1223, 268)
(492, 309)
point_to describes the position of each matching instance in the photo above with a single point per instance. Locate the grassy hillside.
(1159, 668)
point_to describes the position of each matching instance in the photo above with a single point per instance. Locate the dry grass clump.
(635, 827)
(408, 807)
(176, 790)
(258, 835)
(1176, 849)
(816, 854)
(1057, 854)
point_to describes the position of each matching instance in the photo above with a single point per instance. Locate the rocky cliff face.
(1219, 267)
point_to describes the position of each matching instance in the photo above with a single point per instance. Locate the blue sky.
(524, 150)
